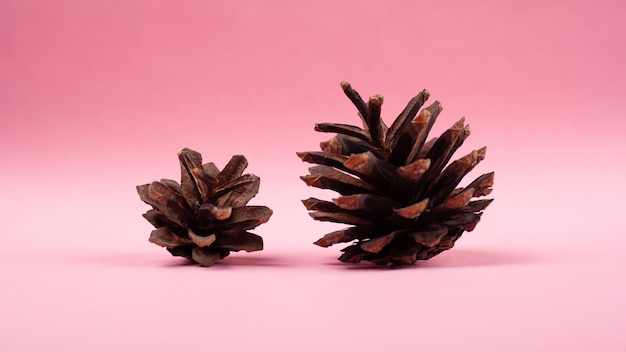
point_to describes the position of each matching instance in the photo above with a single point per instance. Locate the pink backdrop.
(99, 96)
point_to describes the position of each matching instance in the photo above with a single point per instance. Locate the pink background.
(99, 96)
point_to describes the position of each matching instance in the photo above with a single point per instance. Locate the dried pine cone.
(396, 190)
(205, 217)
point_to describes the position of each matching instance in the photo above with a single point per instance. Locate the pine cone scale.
(166, 238)
(234, 169)
(324, 158)
(190, 160)
(478, 205)
(201, 241)
(244, 218)
(326, 177)
(413, 211)
(429, 236)
(372, 169)
(205, 256)
(340, 217)
(405, 118)
(377, 244)
(241, 194)
(356, 99)
(345, 235)
(373, 121)
(369, 203)
(347, 130)
(346, 145)
(176, 214)
(236, 240)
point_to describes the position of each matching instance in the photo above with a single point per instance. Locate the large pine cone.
(205, 217)
(396, 190)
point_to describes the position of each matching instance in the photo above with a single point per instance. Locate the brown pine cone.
(395, 188)
(205, 217)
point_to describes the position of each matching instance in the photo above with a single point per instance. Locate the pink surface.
(99, 96)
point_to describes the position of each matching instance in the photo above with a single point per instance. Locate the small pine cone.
(205, 217)
(395, 188)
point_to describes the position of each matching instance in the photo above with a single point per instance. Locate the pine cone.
(396, 190)
(205, 217)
